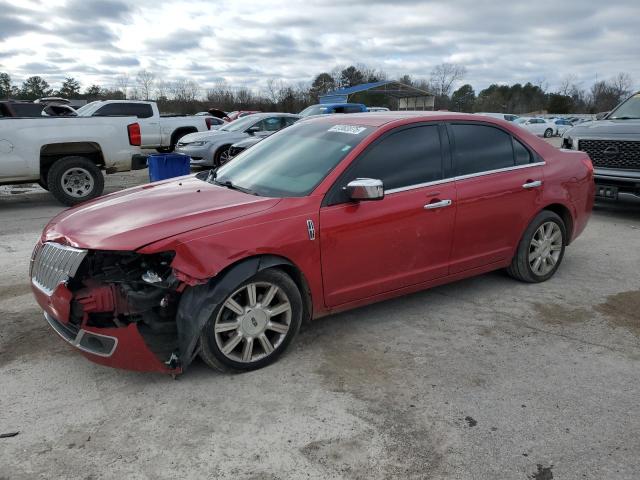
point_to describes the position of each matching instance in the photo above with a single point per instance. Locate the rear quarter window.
(481, 148)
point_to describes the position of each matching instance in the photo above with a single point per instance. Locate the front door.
(372, 247)
(499, 185)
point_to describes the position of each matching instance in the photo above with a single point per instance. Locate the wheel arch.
(198, 302)
(52, 152)
(180, 132)
(565, 214)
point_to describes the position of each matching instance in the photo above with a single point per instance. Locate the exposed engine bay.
(116, 289)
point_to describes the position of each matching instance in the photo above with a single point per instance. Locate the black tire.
(43, 183)
(94, 185)
(548, 133)
(211, 353)
(521, 268)
(165, 149)
(217, 157)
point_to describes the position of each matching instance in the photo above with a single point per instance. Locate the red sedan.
(326, 215)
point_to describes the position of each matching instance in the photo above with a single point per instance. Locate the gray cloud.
(178, 41)
(119, 61)
(293, 40)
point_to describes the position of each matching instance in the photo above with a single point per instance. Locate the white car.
(562, 125)
(509, 117)
(161, 132)
(537, 126)
(66, 155)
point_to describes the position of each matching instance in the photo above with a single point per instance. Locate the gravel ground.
(485, 378)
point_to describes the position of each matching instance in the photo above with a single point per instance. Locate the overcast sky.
(246, 42)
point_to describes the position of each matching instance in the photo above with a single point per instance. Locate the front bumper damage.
(105, 309)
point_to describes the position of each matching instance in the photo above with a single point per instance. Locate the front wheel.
(222, 156)
(254, 324)
(541, 249)
(72, 180)
(548, 133)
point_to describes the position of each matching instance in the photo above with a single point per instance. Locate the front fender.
(198, 303)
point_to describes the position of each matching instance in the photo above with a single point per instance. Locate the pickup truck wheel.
(72, 180)
(43, 183)
(541, 249)
(164, 149)
(548, 133)
(253, 325)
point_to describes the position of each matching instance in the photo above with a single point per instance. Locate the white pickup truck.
(66, 155)
(161, 132)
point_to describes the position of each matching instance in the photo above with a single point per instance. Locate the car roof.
(378, 119)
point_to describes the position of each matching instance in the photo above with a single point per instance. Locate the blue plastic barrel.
(168, 165)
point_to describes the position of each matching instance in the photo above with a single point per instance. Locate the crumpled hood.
(132, 218)
(605, 127)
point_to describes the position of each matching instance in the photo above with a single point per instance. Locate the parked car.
(509, 117)
(537, 126)
(328, 108)
(313, 220)
(613, 144)
(160, 132)
(211, 149)
(562, 125)
(66, 155)
(378, 109)
(239, 147)
(14, 108)
(240, 114)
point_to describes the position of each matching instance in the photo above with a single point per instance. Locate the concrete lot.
(486, 378)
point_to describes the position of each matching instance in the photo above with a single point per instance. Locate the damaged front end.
(118, 308)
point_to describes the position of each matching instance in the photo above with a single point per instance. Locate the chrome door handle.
(534, 184)
(440, 204)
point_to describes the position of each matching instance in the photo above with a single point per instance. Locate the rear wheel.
(541, 249)
(254, 324)
(548, 133)
(72, 180)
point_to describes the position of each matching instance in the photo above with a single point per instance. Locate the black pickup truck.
(613, 144)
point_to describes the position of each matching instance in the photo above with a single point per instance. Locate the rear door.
(372, 247)
(149, 126)
(499, 185)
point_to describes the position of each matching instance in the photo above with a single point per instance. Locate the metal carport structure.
(406, 96)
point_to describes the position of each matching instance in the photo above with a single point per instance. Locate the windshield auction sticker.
(350, 129)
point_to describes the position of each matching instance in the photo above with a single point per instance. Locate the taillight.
(134, 134)
(209, 122)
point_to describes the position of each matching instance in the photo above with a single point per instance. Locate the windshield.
(240, 125)
(628, 110)
(292, 162)
(313, 110)
(88, 109)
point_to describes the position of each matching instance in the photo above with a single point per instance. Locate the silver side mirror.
(365, 189)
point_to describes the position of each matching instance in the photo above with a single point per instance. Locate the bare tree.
(161, 90)
(622, 85)
(444, 76)
(184, 90)
(567, 84)
(122, 82)
(145, 80)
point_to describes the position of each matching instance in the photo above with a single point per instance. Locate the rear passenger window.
(522, 155)
(479, 148)
(408, 157)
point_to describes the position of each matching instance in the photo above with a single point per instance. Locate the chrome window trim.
(462, 177)
(499, 170)
(419, 185)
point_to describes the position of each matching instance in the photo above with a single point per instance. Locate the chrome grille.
(53, 264)
(623, 154)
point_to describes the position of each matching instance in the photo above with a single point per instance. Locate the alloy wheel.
(545, 248)
(77, 182)
(253, 322)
